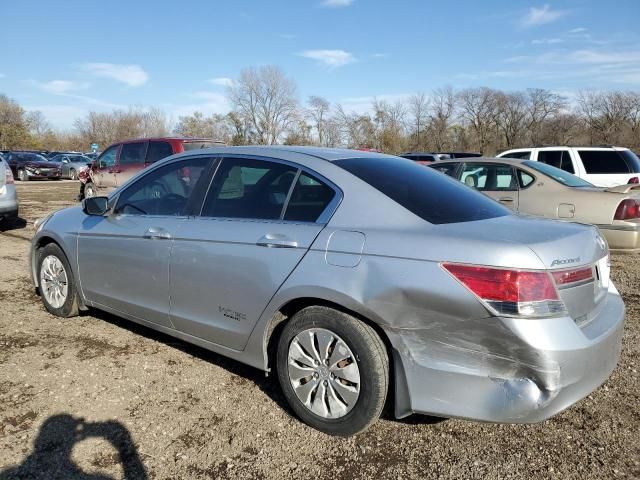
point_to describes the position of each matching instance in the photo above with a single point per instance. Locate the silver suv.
(8, 197)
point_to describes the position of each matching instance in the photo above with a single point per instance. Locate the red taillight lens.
(627, 210)
(567, 277)
(510, 292)
(8, 176)
(634, 180)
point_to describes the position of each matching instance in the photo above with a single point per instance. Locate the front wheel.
(57, 285)
(23, 176)
(90, 190)
(73, 175)
(333, 370)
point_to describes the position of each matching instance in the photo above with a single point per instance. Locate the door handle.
(115, 171)
(506, 199)
(276, 240)
(157, 233)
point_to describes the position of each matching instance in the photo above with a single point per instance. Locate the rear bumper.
(546, 366)
(8, 202)
(621, 238)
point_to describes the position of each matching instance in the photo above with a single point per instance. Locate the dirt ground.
(99, 397)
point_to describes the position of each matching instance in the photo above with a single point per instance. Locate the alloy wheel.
(54, 281)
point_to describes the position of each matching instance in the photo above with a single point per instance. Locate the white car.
(8, 197)
(602, 166)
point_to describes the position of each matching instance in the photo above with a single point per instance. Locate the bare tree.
(478, 107)
(14, 126)
(267, 99)
(318, 111)
(215, 126)
(418, 109)
(543, 105)
(511, 116)
(441, 113)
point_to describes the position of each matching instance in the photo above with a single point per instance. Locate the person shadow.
(53, 448)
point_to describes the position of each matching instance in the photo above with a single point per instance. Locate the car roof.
(276, 151)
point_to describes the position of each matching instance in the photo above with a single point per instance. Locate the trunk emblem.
(564, 261)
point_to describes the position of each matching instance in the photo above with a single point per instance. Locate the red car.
(122, 160)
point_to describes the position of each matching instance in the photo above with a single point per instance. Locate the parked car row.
(29, 165)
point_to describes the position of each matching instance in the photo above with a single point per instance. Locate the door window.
(158, 151)
(165, 191)
(492, 177)
(108, 158)
(133, 153)
(310, 197)
(557, 158)
(245, 188)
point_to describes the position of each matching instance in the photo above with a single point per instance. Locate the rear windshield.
(557, 174)
(433, 197)
(609, 161)
(199, 145)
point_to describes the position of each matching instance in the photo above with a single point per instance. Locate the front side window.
(108, 157)
(603, 161)
(557, 158)
(165, 191)
(310, 197)
(133, 153)
(251, 189)
(158, 150)
(435, 198)
(491, 177)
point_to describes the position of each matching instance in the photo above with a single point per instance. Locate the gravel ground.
(98, 397)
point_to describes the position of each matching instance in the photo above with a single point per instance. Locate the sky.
(66, 58)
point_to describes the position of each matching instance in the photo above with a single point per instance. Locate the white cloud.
(204, 101)
(540, 16)
(380, 55)
(331, 58)
(362, 105)
(60, 116)
(336, 3)
(61, 87)
(287, 36)
(132, 75)
(222, 81)
(546, 41)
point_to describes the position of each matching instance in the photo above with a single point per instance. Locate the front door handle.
(157, 233)
(276, 240)
(506, 199)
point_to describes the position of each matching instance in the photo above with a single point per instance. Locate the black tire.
(22, 175)
(371, 358)
(70, 306)
(73, 175)
(90, 190)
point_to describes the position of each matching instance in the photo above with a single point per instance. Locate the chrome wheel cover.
(54, 283)
(323, 373)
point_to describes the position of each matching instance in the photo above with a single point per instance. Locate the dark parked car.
(123, 160)
(31, 166)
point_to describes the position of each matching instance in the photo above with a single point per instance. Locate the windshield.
(560, 176)
(423, 191)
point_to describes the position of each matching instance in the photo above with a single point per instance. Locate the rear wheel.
(333, 370)
(57, 285)
(90, 190)
(22, 175)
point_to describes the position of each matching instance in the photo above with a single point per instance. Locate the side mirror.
(95, 205)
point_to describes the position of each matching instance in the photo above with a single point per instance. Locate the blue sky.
(68, 57)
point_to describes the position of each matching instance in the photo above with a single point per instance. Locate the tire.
(48, 258)
(73, 175)
(338, 410)
(90, 190)
(23, 176)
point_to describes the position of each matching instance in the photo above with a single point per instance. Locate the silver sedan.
(346, 272)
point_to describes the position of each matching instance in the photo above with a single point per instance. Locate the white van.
(602, 166)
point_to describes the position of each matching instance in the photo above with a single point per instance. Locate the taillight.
(8, 176)
(627, 210)
(510, 292)
(564, 278)
(634, 180)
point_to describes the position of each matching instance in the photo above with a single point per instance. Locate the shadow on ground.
(9, 224)
(51, 456)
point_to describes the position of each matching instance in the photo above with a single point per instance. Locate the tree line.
(266, 109)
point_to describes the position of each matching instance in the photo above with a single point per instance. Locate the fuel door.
(344, 248)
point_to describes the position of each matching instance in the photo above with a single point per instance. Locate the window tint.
(108, 158)
(433, 197)
(165, 191)
(133, 153)
(520, 155)
(525, 178)
(558, 175)
(557, 158)
(603, 161)
(244, 188)
(309, 199)
(491, 177)
(158, 151)
(447, 168)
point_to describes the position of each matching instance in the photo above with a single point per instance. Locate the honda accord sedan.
(357, 277)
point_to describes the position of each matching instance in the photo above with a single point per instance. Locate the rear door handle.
(157, 233)
(276, 240)
(507, 199)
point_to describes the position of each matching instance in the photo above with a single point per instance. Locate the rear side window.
(603, 161)
(557, 158)
(133, 153)
(310, 197)
(525, 178)
(435, 198)
(520, 155)
(251, 189)
(447, 168)
(158, 151)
